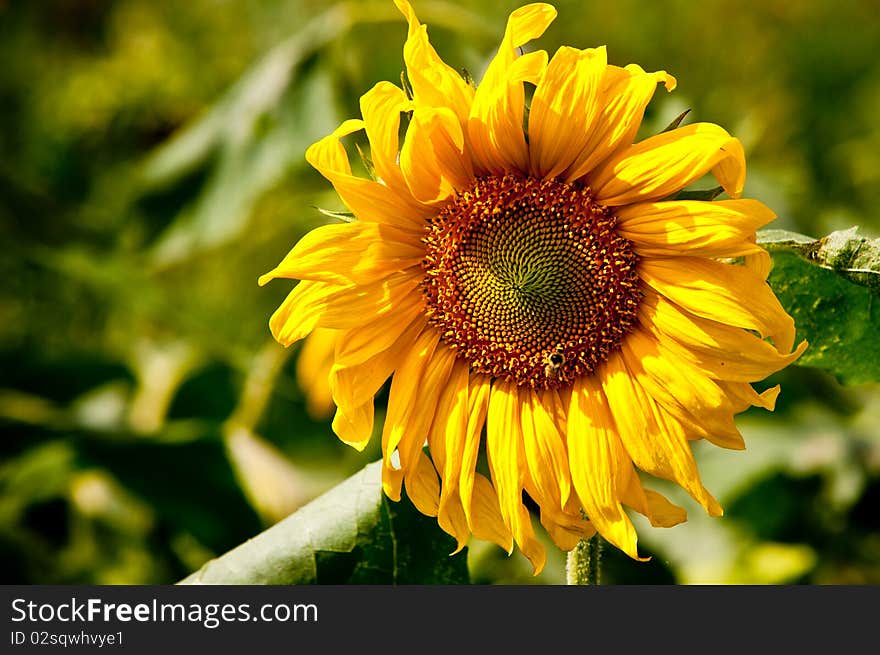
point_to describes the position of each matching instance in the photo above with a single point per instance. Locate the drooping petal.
(313, 370)
(729, 294)
(724, 228)
(433, 157)
(298, 315)
(564, 109)
(479, 387)
(433, 82)
(625, 94)
(378, 333)
(349, 253)
(348, 307)
(691, 397)
(495, 125)
(484, 514)
(759, 263)
(720, 351)
(423, 485)
(659, 511)
(369, 200)
(354, 424)
(666, 163)
(745, 396)
(412, 404)
(354, 381)
(598, 464)
(567, 528)
(504, 451)
(446, 442)
(381, 107)
(543, 427)
(654, 440)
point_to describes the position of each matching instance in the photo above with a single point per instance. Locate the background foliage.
(151, 167)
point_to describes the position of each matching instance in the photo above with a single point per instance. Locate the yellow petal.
(625, 94)
(479, 387)
(666, 163)
(423, 486)
(381, 107)
(745, 396)
(484, 514)
(424, 404)
(451, 518)
(446, 442)
(433, 82)
(298, 315)
(660, 512)
(412, 403)
(495, 125)
(504, 451)
(696, 401)
(598, 464)
(433, 157)
(543, 426)
(720, 351)
(349, 253)
(729, 294)
(313, 370)
(347, 308)
(354, 425)
(369, 200)
(404, 386)
(759, 263)
(564, 109)
(566, 529)
(378, 333)
(724, 228)
(355, 382)
(652, 438)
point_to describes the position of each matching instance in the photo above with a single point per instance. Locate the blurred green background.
(151, 167)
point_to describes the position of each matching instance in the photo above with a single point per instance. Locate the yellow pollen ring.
(528, 280)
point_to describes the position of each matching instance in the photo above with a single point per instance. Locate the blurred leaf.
(235, 116)
(273, 485)
(254, 135)
(350, 535)
(190, 485)
(39, 474)
(830, 287)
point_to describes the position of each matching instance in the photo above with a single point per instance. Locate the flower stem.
(584, 562)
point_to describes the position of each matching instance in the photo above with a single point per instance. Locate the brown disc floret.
(528, 280)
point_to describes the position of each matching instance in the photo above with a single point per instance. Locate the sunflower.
(534, 290)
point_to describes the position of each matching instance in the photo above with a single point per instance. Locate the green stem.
(584, 562)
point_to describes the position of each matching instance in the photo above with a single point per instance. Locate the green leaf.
(676, 121)
(350, 535)
(346, 217)
(845, 252)
(830, 286)
(253, 136)
(700, 194)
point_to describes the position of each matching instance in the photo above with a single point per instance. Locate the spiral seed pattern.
(528, 280)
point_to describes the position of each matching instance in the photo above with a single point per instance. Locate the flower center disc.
(528, 280)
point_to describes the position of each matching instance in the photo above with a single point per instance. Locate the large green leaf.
(351, 535)
(831, 287)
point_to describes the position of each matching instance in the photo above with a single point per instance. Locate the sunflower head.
(535, 292)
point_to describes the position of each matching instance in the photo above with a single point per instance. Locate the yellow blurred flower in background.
(531, 286)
